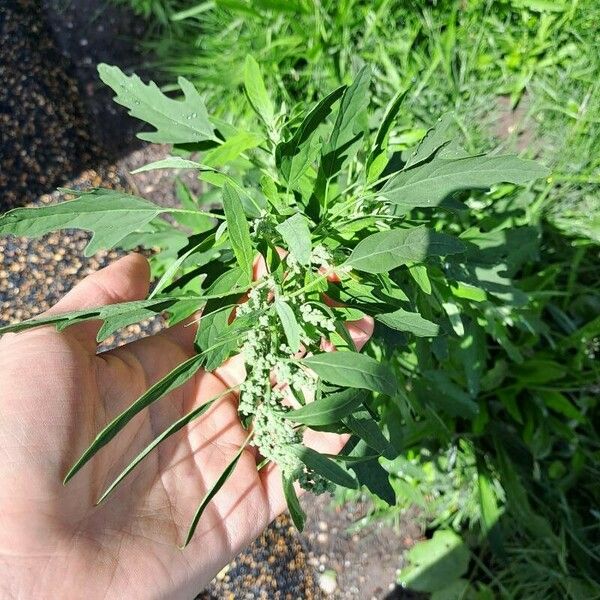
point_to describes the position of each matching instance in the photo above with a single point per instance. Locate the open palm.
(56, 393)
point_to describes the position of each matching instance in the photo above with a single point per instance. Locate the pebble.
(328, 581)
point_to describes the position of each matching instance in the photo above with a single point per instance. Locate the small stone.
(328, 581)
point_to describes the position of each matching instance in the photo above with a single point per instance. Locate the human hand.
(56, 393)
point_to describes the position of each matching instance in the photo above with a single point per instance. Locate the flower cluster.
(275, 383)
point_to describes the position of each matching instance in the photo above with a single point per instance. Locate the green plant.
(347, 227)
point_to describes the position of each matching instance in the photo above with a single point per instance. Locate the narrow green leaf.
(328, 409)
(296, 155)
(351, 369)
(386, 250)
(347, 127)
(376, 159)
(232, 148)
(109, 214)
(176, 121)
(296, 235)
(325, 466)
(419, 274)
(289, 323)
(172, 162)
(128, 312)
(176, 378)
(174, 428)
(429, 184)
(436, 137)
(368, 470)
(367, 429)
(239, 231)
(403, 320)
(212, 492)
(293, 504)
(257, 92)
(450, 397)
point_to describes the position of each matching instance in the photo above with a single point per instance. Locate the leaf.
(176, 121)
(428, 185)
(176, 378)
(257, 93)
(375, 163)
(212, 492)
(381, 252)
(173, 428)
(195, 219)
(239, 231)
(295, 156)
(324, 466)
(232, 148)
(172, 162)
(213, 336)
(346, 129)
(490, 511)
(435, 138)
(369, 473)
(296, 235)
(109, 214)
(328, 409)
(435, 563)
(403, 320)
(453, 312)
(125, 313)
(293, 504)
(351, 369)
(419, 274)
(451, 398)
(368, 430)
(289, 323)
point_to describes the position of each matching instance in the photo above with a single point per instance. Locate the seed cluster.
(275, 382)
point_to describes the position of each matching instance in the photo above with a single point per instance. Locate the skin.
(56, 393)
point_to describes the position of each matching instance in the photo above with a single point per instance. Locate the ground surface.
(58, 128)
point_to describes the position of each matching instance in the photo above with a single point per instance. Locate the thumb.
(124, 280)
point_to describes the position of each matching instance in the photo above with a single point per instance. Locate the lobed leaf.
(122, 314)
(109, 214)
(176, 121)
(296, 155)
(437, 137)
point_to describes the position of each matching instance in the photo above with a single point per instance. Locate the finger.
(125, 280)
(361, 331)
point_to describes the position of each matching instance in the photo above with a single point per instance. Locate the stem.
(186, 211)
